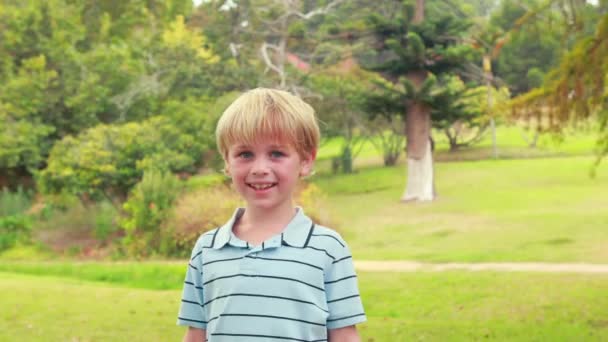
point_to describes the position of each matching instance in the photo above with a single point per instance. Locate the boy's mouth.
(261, 186)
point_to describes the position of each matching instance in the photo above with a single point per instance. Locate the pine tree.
(415, 51)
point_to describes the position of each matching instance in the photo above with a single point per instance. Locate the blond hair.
(264, 113)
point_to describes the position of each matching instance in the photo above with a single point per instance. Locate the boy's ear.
(307, 163)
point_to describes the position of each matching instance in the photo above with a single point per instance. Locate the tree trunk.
(420, 180)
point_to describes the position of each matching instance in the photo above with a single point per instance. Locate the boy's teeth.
(261, 187)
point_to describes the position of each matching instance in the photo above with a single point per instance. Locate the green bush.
(106, 161)
(14, 229)
(205, 181)
(146, 209)
(105, 221)
(12, 203)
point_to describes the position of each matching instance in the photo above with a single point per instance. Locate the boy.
(270, 273)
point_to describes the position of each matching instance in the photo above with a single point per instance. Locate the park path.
(414, 266)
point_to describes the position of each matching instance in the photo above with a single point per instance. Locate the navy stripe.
(342, 259)
(197, 254)
(331, 236)
(286, 260)
(213, 240)
(193, 267)
(191, 320)
(262, 276)
(341, 318)
(322, 250)
(270, 316)
(191, 302)
(189, 283)
(267, 336)
(312, 228)
(220, 260)
(343, 298)
(337, 280)
(263, 296)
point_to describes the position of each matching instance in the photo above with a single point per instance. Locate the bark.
(420, 180)
(419, 12)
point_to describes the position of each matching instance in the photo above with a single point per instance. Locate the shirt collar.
(296, 234)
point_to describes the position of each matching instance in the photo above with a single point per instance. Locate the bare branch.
(318, 11)
(267, 60)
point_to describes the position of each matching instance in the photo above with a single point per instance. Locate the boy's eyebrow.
(241, 146)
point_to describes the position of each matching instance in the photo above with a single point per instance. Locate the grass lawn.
(400, 307)
(546, 209)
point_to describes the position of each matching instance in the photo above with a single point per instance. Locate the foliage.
(14, 229)
(197, 182)
(388, 137)
(313, 200)
(24, 136)
(575, 90)
(147, 207)
(68, 66)
(108, 160)
(13, 203)
(193, 214)
(340, 107)
(106, 223)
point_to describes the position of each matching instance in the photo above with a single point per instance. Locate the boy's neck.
(256, 224)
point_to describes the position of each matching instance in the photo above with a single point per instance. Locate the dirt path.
(413, 266)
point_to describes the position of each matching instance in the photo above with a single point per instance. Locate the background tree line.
(93, 95)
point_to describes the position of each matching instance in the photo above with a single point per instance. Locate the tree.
(67, 66)
(25, 137)
(413, 48)
(340, 94)
(529, 43)
(576, 89)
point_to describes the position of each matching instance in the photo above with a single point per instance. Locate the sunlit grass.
(506, 210)
(400, 307)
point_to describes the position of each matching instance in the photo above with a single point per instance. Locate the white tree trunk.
(420, 178)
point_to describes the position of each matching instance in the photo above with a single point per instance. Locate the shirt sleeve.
(192, 311)
(342, 292)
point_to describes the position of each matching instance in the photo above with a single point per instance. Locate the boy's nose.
(260, 167)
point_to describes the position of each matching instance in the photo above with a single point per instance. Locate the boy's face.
(266, 173)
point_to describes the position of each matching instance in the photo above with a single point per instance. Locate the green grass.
(452, 306)
(545, 209)
(148, 275)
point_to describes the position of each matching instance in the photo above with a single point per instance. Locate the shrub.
(145, 210)
(105, 221)
(195, 213)
(312, 199)
(14, 229)
(62, 229)
(13, 203)
(108, 160)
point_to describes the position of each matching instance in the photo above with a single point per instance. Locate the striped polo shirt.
(292, 287)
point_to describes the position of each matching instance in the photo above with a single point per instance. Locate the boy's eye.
(245, 154)
(277, 154)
